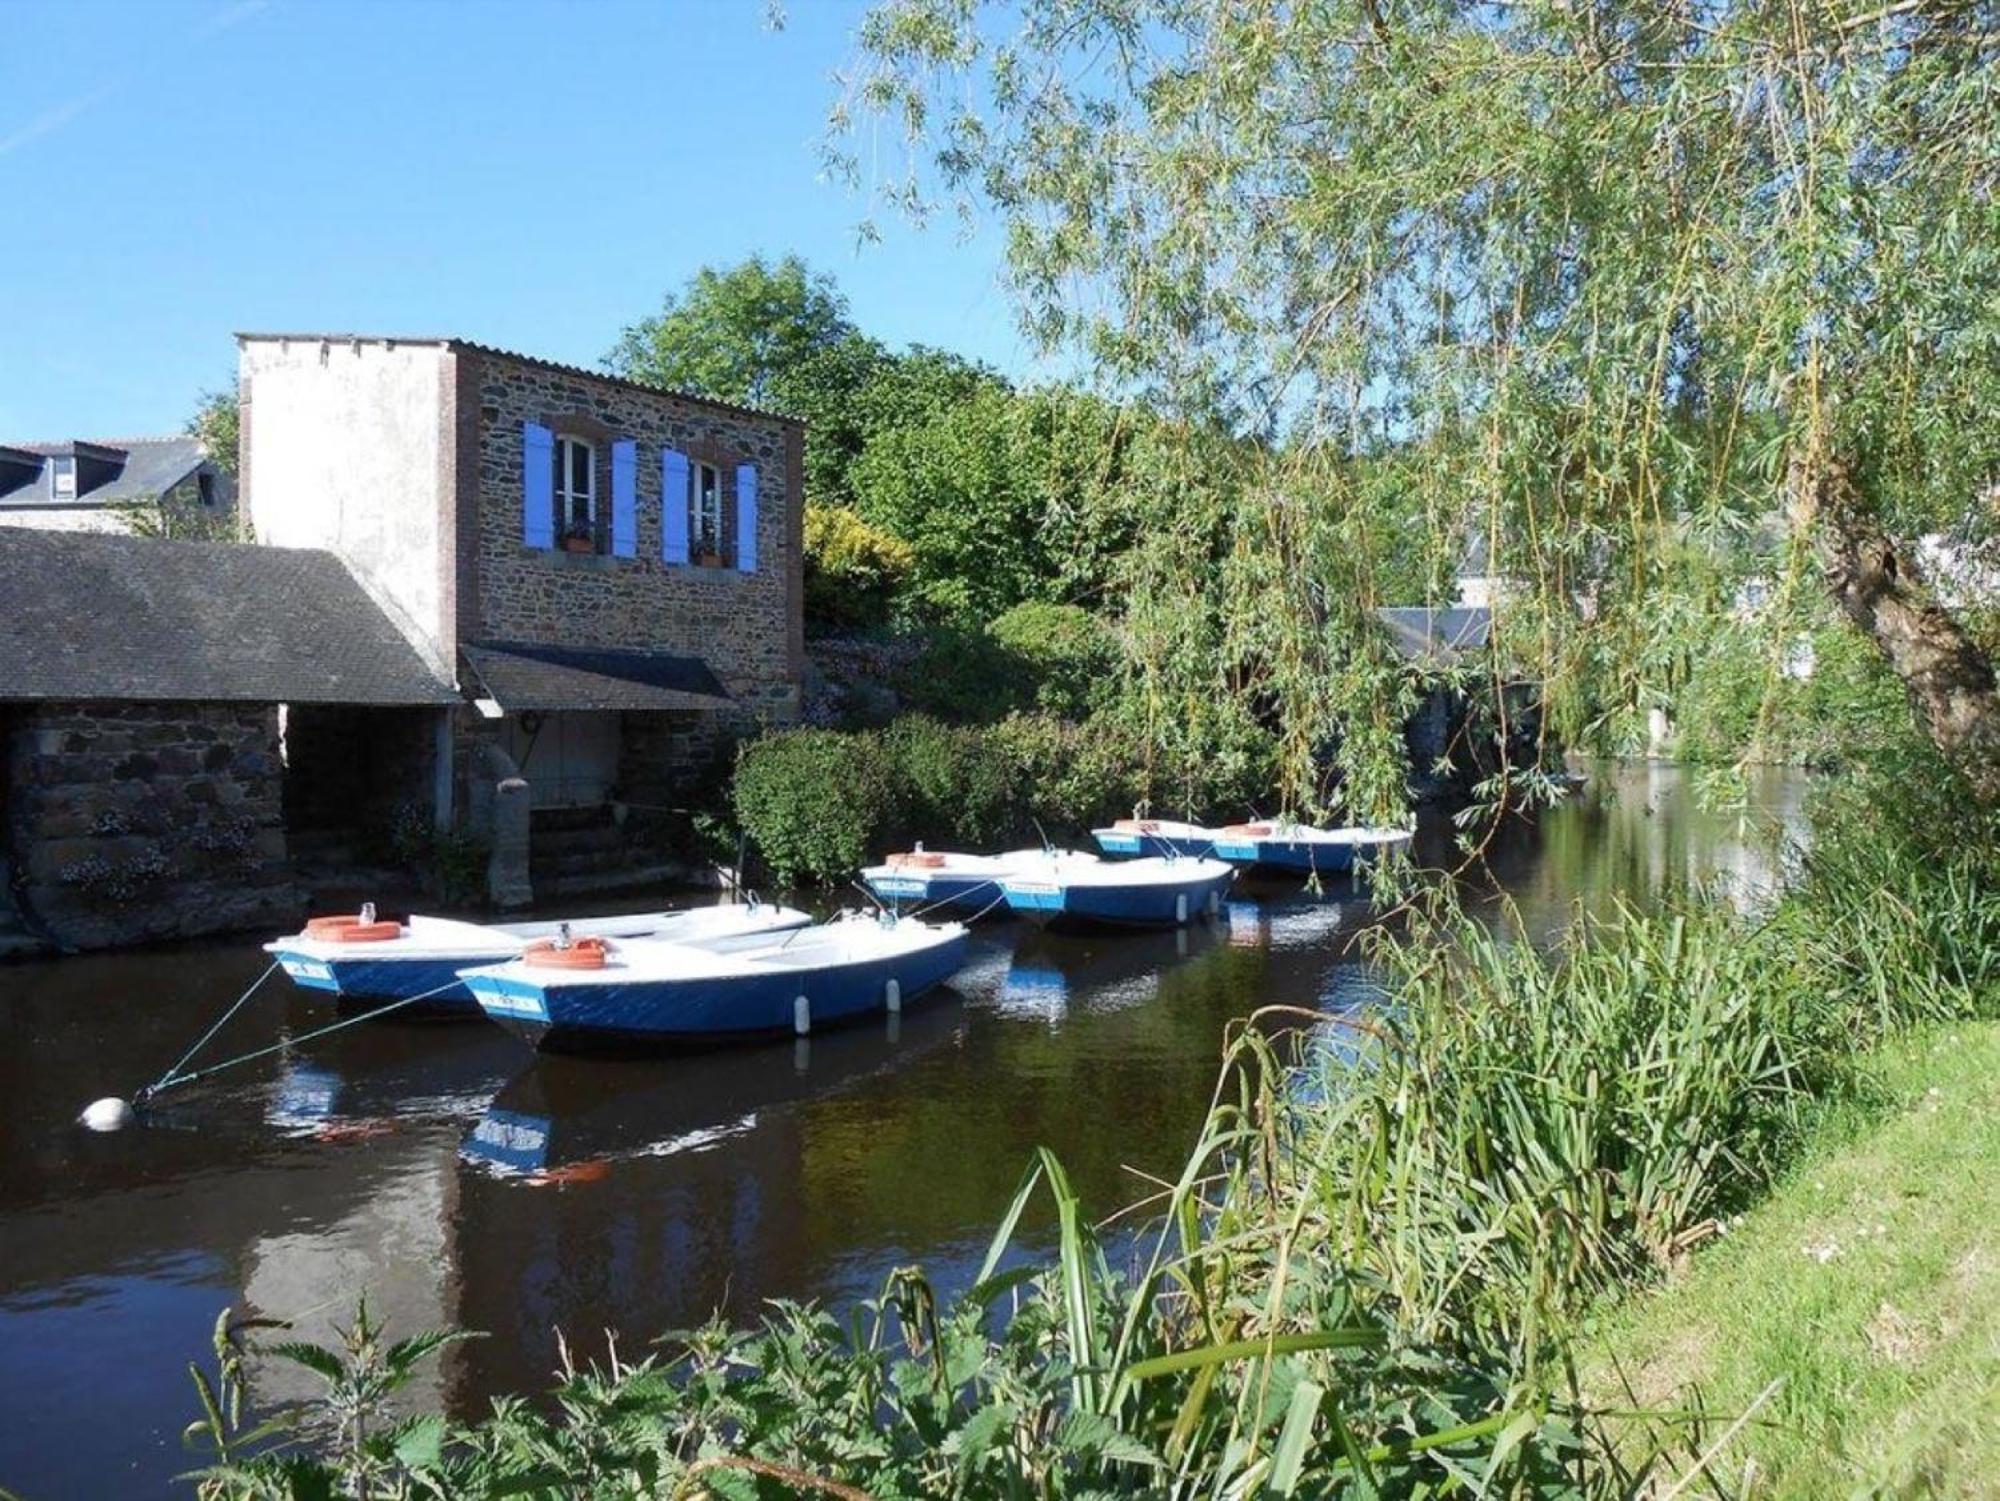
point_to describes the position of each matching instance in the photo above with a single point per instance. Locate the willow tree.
(1602, 282)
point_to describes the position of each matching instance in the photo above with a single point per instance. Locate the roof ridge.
(99, 442)
(453, 341)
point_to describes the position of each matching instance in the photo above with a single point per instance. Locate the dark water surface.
(457, 1179)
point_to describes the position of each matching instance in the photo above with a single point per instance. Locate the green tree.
(216, 423)
(963, 489)
(760, 334)
(1586, 280)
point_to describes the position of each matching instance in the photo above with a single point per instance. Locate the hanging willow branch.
(1586, 279)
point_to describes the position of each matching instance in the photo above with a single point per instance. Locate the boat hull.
(367, 977)
(1055, 903)
(942, 891)
(650, 1013)
(1132, 844)
(362, 983)
(1300, 856)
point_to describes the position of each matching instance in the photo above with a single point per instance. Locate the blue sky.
(523, 172)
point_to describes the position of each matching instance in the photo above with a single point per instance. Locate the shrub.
(1070, 654)
(853, 569)
(1072, 776)
(815, 803)
(966, 676)
(954, 784)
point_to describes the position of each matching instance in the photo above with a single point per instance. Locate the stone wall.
(135, 822)
(748, 627)
(357, 770)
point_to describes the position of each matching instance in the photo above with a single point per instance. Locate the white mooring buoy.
(107, 1114)
(892, 996)
(802, 1016)
(1180, 908)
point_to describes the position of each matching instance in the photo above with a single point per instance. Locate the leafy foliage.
(1074, 658)
(814, 802)
(955, 789)
(217, 424)
(1578, 284)
(853, 570)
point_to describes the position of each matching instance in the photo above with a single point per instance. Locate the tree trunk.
(1947, 675)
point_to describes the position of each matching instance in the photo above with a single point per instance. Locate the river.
(457, 1179)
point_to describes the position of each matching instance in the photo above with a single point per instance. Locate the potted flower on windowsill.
(579, 539)
(707, 553)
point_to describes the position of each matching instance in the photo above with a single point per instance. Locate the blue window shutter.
(538, 486)
(674, 506)
(625, 498)
(746, 518)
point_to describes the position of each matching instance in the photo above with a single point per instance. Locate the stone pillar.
(442, 776)
(507, 883)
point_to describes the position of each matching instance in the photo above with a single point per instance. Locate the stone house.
(166, 710)
(610, 572)
(115, 484)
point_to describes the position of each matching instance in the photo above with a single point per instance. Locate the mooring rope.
(202, 1041)
(173, 1077)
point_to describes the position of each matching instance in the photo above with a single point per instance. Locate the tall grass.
(1363, 1281)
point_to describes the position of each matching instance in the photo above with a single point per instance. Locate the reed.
(1364, 1281)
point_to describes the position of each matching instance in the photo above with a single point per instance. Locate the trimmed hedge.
(819, 804)
(814, 801)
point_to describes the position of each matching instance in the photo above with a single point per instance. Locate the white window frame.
(702, 523)
(566, 497)
(62, 479)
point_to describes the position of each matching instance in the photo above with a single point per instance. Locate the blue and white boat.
(639, 993)
(1129, 838)
(1061, 888)
(423, 956)
(945, 882)
(1303, 850)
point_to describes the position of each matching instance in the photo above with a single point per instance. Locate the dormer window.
(706, 515)
(575, 489)
(62, 479)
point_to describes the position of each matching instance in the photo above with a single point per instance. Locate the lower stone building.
(170, 711)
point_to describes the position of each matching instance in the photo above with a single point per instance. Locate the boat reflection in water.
(387, 1076)
(1051, 972)
(568, 1120)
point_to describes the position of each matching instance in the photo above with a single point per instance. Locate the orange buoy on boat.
(1253, 830)
(1138, 825)
(359, 927)
(554, 953)
(919, 860)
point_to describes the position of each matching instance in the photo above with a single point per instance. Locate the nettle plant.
(1601, 286)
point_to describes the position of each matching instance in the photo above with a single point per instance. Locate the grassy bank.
(1856, 1311)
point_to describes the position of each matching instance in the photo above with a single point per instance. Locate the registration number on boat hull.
(316, 973)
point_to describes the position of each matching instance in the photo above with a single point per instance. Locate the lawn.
(1860, 1302)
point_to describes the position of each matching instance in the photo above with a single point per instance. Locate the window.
(62, 479)
(575, 490)
(204, 484)
(706, 532)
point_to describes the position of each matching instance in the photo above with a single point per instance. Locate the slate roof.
(605, 376)
(85, 615)
(152, 467)
(528, 675)
(1436, 638)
